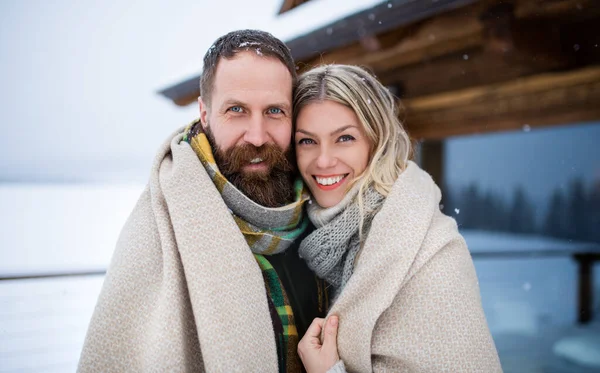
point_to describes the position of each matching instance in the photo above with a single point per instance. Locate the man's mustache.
(235, 159)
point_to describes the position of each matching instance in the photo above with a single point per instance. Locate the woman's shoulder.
(413, 209)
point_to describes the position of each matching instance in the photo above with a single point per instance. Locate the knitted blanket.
(167, 303)
(413, 303)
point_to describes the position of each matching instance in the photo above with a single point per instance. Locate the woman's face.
(331, 149)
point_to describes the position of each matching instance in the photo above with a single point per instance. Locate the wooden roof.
(467, 66)
(338, 34)
(288, 5)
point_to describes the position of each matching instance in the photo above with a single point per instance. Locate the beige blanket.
(183, 292)
(413, 302)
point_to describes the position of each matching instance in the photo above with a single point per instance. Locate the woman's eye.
(305, 141)
(275, 110)
(346, 138)
(236, 109)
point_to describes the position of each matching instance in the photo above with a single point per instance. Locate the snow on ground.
(582, 346)
(43, 322)
(484, 241)
(61, 227)
(530, 303)
(50, 229)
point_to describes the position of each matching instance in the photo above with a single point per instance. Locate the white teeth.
(329, 180)
(256, 160)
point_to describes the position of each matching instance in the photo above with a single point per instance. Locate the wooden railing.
(100, 272)
(585, 267)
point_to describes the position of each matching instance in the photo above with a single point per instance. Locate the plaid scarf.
(267, 231)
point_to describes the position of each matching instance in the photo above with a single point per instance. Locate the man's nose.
(326, 159)
(256, 132)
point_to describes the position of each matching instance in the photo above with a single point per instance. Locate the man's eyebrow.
(233, 102)
(341, 129)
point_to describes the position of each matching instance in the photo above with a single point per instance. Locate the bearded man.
(206, 275)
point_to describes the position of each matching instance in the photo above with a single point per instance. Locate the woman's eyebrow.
(341, 129)
(305, 132)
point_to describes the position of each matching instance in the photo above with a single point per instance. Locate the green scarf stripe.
(295, 233)
(272, 281)
(279, 300)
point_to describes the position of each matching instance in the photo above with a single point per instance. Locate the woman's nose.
(326, 159)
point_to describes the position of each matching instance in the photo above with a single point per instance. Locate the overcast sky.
(79, 78)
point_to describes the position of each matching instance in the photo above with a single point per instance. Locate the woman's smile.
(330, 182)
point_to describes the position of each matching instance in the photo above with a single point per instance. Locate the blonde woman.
(405, 292)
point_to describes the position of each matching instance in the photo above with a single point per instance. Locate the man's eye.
(305, 141)
(346, 138)
(236, 109)
(275, 110)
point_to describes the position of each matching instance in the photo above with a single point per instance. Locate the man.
(206, 274)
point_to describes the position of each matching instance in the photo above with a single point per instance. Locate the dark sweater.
(301, 285)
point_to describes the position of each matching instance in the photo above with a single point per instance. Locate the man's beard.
(273, 187)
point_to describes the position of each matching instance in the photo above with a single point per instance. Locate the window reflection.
(528, 205)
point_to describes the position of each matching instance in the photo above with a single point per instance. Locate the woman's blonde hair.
(376, 109)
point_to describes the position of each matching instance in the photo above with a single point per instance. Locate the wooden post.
(431, 159)
(585, 291)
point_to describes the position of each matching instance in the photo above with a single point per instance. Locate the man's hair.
(227, 46)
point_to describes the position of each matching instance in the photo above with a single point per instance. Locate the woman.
(404, 286)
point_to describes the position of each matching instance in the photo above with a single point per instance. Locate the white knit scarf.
(331, 249)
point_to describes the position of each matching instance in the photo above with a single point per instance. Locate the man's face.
(249, 123)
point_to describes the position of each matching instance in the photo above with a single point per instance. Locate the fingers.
(312, 339)
(330, 335)
(314, 330)
(317, 356)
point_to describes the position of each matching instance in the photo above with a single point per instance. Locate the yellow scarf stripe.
(201, 145)
(290, 330)
(273, 245)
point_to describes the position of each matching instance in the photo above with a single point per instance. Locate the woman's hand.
(319, 357)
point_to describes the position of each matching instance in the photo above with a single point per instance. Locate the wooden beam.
(445, 33)
(441, 36)
(288, 5)
(541, 100)
(474, 67)
(564, 9)
(375, 21)
(534, 26)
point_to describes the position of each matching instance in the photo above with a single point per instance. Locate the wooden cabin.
(463, 67)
